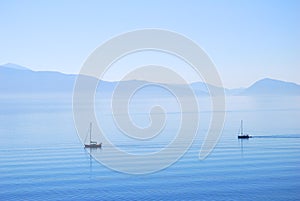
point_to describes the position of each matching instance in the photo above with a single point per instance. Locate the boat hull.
(93, 145)
(244, 136)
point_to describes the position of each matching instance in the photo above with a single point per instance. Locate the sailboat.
(241, 134)
(92, 144)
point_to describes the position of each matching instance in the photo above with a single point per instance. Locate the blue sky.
(247, 40)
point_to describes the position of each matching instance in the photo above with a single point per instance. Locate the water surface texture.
(42, 157)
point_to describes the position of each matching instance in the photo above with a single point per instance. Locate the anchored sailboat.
(241, 134)
(92, 144)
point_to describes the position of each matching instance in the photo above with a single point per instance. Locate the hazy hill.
(269, 86)
(14, 66)
(18, 79)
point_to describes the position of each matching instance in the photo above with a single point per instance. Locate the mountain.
(17, 79)
(269, 86)
(22, 80)
(14, 66)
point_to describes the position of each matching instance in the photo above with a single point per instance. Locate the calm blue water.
(42, 158)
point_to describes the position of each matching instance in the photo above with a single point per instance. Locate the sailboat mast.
(90, 132)
(242, 132)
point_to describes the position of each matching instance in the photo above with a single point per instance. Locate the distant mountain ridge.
(19, 79)
(24, 80)
(269, 86)
(14, 66)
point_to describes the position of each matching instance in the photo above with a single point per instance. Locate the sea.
(43, 158)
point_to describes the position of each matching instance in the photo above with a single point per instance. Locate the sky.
(246, 40)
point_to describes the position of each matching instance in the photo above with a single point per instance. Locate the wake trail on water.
(277, 136)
